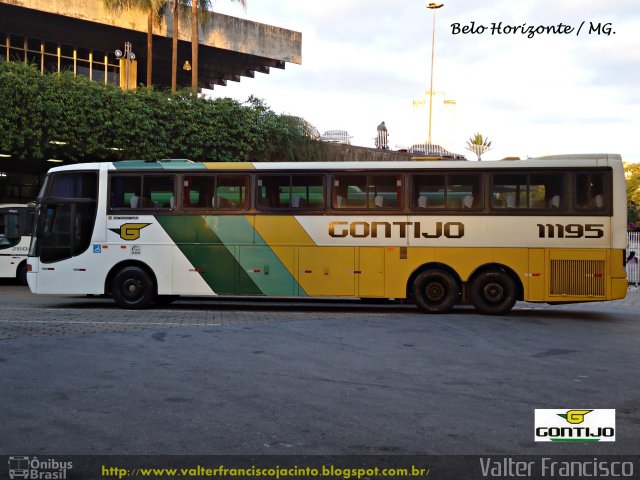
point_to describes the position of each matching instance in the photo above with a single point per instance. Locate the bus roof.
(569, 160)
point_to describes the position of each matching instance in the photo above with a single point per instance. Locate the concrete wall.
(336, 152)
(220, 31)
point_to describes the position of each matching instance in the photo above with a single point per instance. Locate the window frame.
(607, 192)
(289, 208)
(141, 177)
(565, 194)
(400, 197)
(208, 207)
(447, 174)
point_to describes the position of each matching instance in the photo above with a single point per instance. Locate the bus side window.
(274, 191)
(546, 191)
(9, 229)
(159, 190)
(12, 226)
(509, 191)
(428, 191)
(231, 192)
(125, 192)
(307, 192)
(385, 191)
(590, 192)
(350, 191)
(463, 191)
(339, 195)
(197, 190)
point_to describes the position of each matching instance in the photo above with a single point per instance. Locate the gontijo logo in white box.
(575, 425)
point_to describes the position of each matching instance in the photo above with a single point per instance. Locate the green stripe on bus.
(262, 264)
(161, 165)
(205, 250)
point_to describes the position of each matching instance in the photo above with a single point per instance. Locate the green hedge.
(101, 122)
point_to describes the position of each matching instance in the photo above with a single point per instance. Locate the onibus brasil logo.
(575, 425)
(38, 468)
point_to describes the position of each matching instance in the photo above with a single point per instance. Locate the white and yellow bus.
(548, 229)
(16, 221)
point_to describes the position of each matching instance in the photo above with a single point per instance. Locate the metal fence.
(633, 270)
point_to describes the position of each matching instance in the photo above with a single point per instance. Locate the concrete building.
(82, 36)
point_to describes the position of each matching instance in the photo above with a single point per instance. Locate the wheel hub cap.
(493, 292)
(132, 288)
(435, 291)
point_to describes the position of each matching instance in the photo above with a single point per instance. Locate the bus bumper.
(32, 274)
(618, 288)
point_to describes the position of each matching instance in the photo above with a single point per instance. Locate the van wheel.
(133, 288)
(21, 275)
(493, 292)
(435, 291)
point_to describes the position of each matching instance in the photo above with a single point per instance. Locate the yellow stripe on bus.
(229, 165)
(283, 234)
(281, 230)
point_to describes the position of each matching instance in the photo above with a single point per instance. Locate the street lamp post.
(432, 6)
(128, 56)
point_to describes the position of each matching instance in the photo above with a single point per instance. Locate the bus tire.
(21, 274)
(133, 288)
(435, 291)
(493, 292)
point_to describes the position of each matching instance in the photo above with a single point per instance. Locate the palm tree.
(203, 5)
(174, 48)
(154, 9)
(478, 145)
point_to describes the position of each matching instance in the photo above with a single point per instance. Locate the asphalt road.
(79, 376)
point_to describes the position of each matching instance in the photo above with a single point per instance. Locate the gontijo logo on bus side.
(575, 425)
(129, 231)
(398, 229)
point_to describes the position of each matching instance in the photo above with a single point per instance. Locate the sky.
(366, 61)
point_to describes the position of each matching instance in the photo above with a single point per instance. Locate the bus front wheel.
(133, 288)
(435, 291)
(493, 292)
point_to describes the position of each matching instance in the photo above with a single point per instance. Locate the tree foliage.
(69, 117)
(632, 174)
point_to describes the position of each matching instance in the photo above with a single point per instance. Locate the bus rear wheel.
(133, 288)
(493, 292)
(435, 291)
